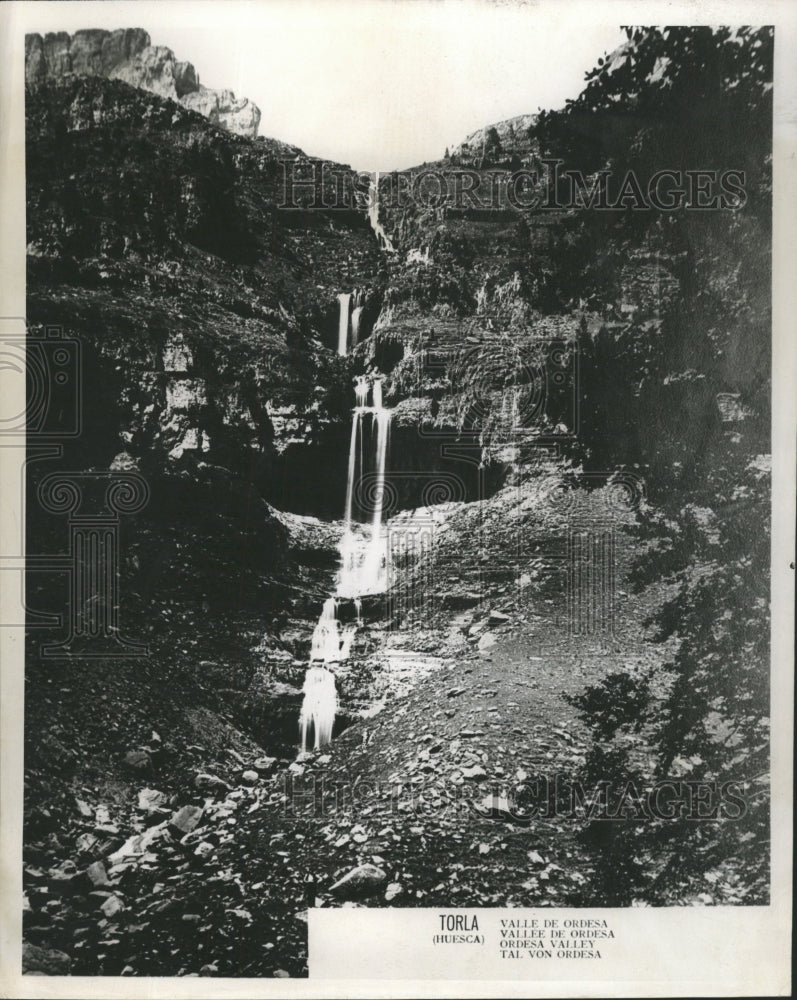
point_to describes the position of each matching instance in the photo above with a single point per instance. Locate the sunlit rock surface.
(127, 54)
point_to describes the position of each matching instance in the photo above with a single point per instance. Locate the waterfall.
(319, 707)
(355, 325)
(361, 390)
(363, 564)
(355, 427)
(373, 215)
(343, 323)
(347, 638)
(363, 568)
(373, 570)
(326, 637)
(382, 418)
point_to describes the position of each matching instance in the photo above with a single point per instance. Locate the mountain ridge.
(128, 54)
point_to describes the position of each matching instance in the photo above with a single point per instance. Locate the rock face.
(215, 246)
(516, 134)
(128, 55)
(223, 108)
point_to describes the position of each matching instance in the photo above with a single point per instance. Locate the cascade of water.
(361, 390)
(343, 323)
(363, 570)
(326, 637)
(373, 214)
(319, 707)
(363, 567)
(346, 640)
(355, 428)
(355, 325)
(375, 568)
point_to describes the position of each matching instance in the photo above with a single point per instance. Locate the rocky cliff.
(515, 135)
(128, 55)
(175, 234)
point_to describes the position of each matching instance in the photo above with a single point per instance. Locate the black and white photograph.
(395, 485)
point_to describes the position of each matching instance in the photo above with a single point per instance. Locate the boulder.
(112, 906)
(44, 961)
(185, 820)
(364, 880)
(96, 874)
(139, 843)
(486, 642)
(475, 773)
(86, 843)
(64, 883)
(150, 799)
(500, 807)
(137, 760)
(250, 777)
(265, 764)
(210, 783)
(84, 809)
(393, 890)
(498, 618)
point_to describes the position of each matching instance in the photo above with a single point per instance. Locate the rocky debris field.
(192, 851)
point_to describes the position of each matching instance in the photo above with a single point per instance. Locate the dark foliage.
(683, 390)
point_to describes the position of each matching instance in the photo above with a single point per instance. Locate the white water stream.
(373, 215)
(343, 323)
(363, 554)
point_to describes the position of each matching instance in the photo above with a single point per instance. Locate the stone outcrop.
(128, 55)
(223, 108)
(514, 134)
